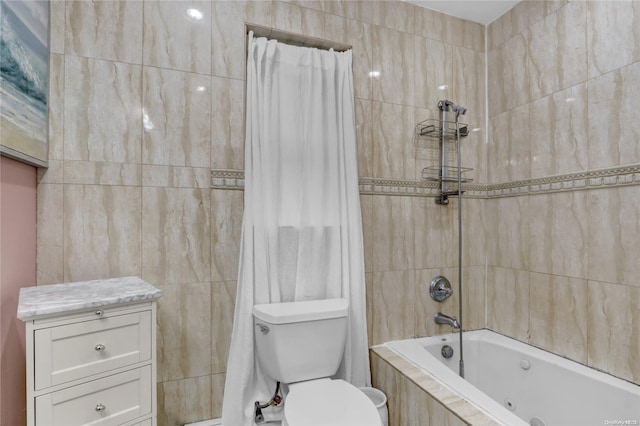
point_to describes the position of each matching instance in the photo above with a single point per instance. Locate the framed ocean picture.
(24, 63)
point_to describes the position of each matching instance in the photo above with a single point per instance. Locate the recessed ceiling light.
(195, 14)
(201, 88)
(375, 74)
(443, 87)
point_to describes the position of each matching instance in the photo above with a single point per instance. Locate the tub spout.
(441, 318)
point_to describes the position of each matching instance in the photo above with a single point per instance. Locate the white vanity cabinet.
(91, 353)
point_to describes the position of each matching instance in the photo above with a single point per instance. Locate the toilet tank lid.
(308, 310)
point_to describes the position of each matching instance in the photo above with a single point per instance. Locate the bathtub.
(518, 384)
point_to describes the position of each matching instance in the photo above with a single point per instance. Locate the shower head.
(458, 109)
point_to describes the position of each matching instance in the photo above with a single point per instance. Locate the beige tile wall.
(144, 102)
(563, 272)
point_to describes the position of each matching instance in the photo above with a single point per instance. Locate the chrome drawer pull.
(99, 347)
(100, 407)
(99, 312)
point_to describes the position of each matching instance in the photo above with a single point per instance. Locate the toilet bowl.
(326, 402)
(302, 344)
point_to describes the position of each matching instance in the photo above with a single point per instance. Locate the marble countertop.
(48, 300)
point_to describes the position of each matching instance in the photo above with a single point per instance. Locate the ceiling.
(481, 11)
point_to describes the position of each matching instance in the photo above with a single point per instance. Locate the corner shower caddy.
(439, 135)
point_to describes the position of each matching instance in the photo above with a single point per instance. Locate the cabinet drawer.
(78, 350)
(144, 423)
(109, 401)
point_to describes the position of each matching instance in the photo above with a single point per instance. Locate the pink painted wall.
(17, 269)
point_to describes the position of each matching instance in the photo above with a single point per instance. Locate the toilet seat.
(326, 402)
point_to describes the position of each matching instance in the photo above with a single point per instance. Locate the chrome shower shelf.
(439, 141)
(445, 174)
(431, 129)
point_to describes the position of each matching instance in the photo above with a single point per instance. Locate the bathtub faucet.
(441, 318)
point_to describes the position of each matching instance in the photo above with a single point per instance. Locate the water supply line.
(276, 399)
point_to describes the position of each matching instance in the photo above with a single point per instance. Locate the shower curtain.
(302, 229)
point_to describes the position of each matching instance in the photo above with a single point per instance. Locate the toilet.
(302, 344)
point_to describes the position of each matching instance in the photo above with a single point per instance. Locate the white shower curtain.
(302, 229)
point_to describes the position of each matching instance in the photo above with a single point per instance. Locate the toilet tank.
(297, 341)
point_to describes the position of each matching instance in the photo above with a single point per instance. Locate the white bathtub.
(553, 391)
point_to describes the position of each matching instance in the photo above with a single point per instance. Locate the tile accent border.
(227, 179)
(592, 179)
(373, 186)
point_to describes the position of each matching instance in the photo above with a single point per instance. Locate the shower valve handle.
(440, 288)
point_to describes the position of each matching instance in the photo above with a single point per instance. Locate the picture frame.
(24, 73)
